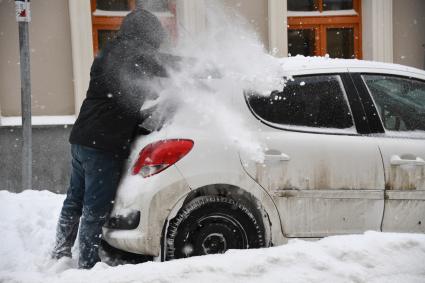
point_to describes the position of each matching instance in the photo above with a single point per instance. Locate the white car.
(345, 153)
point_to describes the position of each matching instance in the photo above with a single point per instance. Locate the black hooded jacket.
(119, 85)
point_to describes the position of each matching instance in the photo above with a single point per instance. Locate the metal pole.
(423, 45)
(25, 105)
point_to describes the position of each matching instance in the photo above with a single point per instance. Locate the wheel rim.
(214, 243)
(214, 234)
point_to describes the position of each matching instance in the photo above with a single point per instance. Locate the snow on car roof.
(300, 62)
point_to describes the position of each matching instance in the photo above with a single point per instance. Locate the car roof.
(300, 63)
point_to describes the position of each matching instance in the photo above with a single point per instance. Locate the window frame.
(328, 19)
(103, 22)
(351, 98)
(377, 116)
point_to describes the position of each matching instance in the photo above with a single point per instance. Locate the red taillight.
(158, 156)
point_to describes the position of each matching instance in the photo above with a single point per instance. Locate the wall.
(367, 32)
(51, 158)
(409, 32)
(51, 61)
(377, 30)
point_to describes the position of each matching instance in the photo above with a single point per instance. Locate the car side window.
(317, 101)
(400, 101)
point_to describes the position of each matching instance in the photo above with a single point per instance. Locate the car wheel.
(211, 225)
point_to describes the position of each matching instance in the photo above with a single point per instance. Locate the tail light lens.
(158, 156)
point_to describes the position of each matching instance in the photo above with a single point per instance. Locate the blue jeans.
(94, 180)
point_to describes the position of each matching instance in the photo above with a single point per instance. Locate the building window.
(320, 27)
(107, 16)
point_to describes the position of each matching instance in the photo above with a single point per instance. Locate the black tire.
(210, 225)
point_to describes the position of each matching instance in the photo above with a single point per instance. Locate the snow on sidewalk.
(27, 225)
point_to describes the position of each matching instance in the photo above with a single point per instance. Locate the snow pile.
(27, 225)
(28, 220)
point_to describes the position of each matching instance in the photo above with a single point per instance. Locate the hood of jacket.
(142, 25)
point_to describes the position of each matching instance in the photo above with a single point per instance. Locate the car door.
(399, 102)
(323, 174)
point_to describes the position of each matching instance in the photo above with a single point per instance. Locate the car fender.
(207, 166)
(160, 193)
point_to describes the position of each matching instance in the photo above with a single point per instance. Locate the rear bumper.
(141, 209)
(134, 241)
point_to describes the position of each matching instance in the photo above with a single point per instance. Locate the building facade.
(65, 34)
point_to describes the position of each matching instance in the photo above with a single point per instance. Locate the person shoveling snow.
(108, 122)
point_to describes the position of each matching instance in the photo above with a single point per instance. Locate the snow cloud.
(223, 61)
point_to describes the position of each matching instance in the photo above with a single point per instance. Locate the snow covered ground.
(27, 225)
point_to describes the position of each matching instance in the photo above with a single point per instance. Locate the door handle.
(276, 155)
(397, 161)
